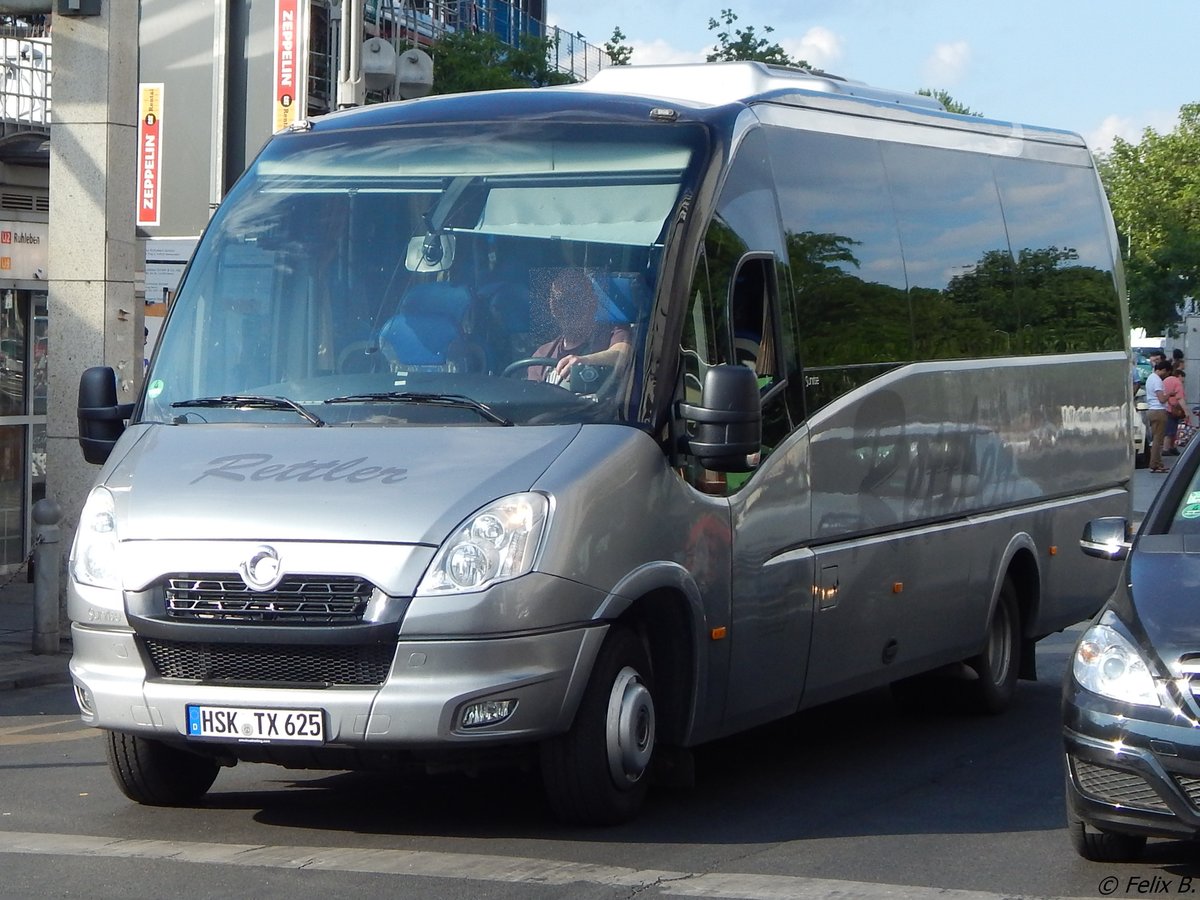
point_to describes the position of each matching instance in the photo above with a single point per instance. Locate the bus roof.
(703, 90)
(706, 85)
(715, 84)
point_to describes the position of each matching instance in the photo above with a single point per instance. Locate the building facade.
(24, 237)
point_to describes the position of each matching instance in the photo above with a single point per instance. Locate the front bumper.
(417, 708)
(1131, 771)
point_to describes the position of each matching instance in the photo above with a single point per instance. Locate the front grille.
(1118, 787)
(1189, 668)
(364, 664)
(1191, 787)
(297, 600)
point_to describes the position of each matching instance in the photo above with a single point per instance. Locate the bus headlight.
(94, 557)
(497, 543)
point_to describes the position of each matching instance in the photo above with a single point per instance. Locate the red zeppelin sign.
(289, 44)
(149, 189)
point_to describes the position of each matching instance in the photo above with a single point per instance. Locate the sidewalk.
(20, 667)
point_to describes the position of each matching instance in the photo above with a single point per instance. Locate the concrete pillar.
(93, 319)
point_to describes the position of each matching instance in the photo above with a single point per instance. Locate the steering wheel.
(513, 367)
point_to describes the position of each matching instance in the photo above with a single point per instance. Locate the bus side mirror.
(101, 418)
(728, 434)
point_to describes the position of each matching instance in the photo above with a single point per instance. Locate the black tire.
(1105, 846)
(598, 772)
(998, 664)
(155, 774)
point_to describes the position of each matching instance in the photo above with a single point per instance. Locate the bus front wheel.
(597, 773)
(155, 774)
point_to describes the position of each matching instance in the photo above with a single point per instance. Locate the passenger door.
(736, 315)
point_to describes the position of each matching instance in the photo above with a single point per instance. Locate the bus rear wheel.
(997, 665)
(597, 773)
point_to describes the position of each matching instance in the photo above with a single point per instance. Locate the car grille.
(1190, 787)
(1189, 668)
(363, 664)
(297, 600)
(1118, 787)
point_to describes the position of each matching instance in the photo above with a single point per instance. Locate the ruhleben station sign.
(24, 250)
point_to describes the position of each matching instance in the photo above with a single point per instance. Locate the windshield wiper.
(457, 400)
(250, 401)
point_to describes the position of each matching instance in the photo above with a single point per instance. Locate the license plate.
(249, 724)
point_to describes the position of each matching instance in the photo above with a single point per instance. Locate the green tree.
(943, 97)
(618, 52)
(745, 43)
(1154, 189)
(480, 61)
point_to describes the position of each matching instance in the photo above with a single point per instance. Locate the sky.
(1100, 68)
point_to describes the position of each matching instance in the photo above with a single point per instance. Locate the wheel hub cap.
(629, 727)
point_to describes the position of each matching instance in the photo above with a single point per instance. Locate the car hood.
(393, 485)
(1164, 577)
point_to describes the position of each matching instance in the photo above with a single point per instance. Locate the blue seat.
(621, 296)
(429, 330)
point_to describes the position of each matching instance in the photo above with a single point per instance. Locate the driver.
(582, 339)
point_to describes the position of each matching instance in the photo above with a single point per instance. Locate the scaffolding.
(25, 90)
(421, 23)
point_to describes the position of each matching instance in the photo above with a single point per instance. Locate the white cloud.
(819, 47)
(947, 64)
(659, 52)
(1100, 139)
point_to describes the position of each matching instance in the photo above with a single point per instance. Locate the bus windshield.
(445, 274)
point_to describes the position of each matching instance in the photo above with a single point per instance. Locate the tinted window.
(955, 248)
(902, 252)
(843, 249)
(1065, 299)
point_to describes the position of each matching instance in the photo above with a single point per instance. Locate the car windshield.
(416, 274)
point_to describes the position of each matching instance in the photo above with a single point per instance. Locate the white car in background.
(1140, 431)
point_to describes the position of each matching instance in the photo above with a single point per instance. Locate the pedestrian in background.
(1156, 412)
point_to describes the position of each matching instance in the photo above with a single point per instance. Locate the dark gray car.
(1130, 708)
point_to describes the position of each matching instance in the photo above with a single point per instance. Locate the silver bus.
(580, 426)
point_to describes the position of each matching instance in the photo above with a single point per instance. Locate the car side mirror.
(101, 418)
(728, 435)
(1109, 537)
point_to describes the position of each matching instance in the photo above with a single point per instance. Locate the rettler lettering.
(260, 467)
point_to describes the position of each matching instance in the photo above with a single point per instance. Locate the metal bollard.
(47, 557)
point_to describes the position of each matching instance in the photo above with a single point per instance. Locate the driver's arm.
(614, 356)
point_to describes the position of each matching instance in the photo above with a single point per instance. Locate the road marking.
(478, 867)
(35, 733)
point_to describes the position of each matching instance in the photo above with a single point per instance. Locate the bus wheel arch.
(1008, 652)
(1026, 578)
(637, 697)
(597, 772)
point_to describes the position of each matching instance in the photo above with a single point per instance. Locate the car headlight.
(1106, 663)
(497, 543)
(94, 557)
